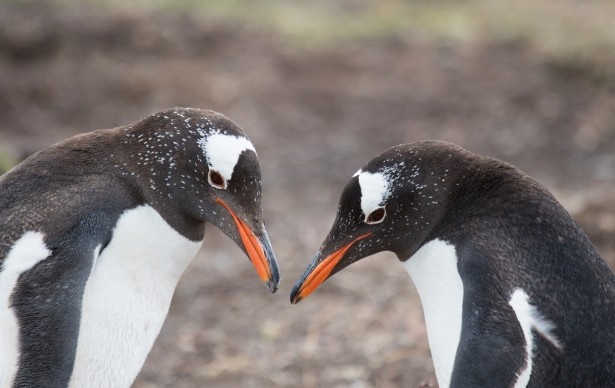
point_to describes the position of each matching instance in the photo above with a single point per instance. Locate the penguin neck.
(159, 180)
(127, 297)
(433, 269)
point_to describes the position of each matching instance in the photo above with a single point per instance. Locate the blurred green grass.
(6, 160)
(574, 38)
(550, 24)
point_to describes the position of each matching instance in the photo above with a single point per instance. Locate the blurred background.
(321, 87)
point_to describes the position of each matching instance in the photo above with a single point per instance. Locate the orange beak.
(314, 278)
(258, 249)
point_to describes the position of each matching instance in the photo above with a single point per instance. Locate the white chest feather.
(127, 297)
(530, 319)
(26, 252)
(433, 269)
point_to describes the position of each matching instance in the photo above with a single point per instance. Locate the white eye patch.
(223, 151)
(374, 190)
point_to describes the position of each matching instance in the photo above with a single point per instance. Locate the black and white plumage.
(513, 292)
(95, 232)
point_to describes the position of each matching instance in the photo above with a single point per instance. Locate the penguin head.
(391, 204)
(208, 171)
(234, 198)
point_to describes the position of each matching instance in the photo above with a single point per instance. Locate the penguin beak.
(319, 271)
(259, 250)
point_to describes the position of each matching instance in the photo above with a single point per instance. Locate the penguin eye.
(216, 180)
(376, 216)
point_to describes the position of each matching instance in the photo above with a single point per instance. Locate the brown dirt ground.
(315, 115)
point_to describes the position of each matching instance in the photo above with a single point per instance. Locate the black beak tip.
(272, 285)
(274, 271)
(294, 295)
(274, 280)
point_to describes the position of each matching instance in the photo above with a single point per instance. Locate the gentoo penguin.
(95, 232)
(513, 292)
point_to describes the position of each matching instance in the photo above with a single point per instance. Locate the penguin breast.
(127, 297)
(433, 269)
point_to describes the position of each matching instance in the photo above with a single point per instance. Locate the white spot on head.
(26, 252)
(375, 189)
(223, 151)
(530, 318)
(357, 173)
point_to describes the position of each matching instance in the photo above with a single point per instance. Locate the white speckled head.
(375, 189)
(223, 151)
